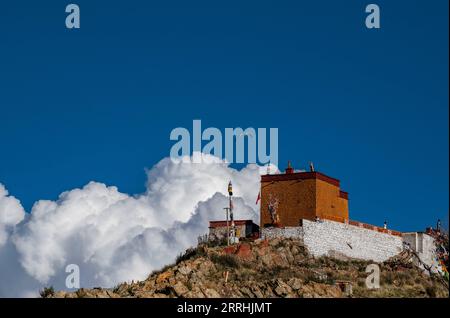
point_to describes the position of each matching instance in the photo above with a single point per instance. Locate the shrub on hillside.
(225, 260)
(191, 253)
(47, 292)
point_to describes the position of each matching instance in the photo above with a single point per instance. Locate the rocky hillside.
(275, 268)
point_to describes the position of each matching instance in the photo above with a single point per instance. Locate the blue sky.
(369, 107)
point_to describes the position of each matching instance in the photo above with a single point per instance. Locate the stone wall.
(424, 245)
(286, 232)
(331, 238)
(340, 239)
(221, 232)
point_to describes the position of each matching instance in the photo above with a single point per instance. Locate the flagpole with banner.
(230, 194)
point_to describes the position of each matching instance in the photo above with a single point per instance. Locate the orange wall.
(296, 201)
(302, 199)
(329, 202)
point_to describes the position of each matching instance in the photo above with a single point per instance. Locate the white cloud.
(11, 213)
(116, 237)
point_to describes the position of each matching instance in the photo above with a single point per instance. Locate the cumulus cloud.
(11, 213)
(113, 236)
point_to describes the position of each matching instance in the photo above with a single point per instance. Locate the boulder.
(185, 270)
(180, 289)
(295, 283)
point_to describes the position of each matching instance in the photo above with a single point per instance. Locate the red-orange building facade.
(294, 196)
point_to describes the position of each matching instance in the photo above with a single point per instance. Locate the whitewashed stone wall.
(424, 245)
(286, 232)
(334, 238)
(337, 239)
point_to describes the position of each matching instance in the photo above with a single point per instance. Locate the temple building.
(311, 207)
(243, 229)
(288, 198)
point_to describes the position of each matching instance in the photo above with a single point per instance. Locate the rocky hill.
(275, 268)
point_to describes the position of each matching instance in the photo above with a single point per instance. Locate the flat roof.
(300, 176)
(223, 223)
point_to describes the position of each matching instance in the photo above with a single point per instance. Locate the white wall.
(424, 245)
(331, 238)
(334, 238)
(286, 232)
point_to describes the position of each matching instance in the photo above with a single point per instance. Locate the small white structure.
(424, 246)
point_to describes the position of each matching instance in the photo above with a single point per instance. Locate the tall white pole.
(232, 221)
(228, 228)
(230, 196)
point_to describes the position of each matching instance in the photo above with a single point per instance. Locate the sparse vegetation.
(216, 242)
(161, 270)
(271, 269)
(47, 292)
(130, 290)
(387, 278)
(312, 277)
(225, 260)
(281, 244)
(431, 291)
(81, 293)
(117, 288)
(191, 253)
